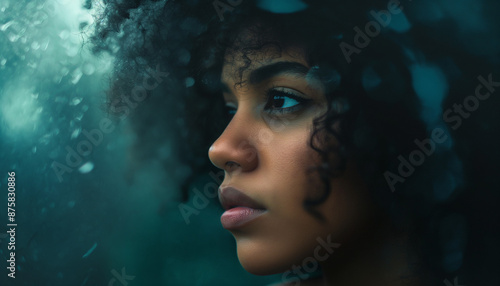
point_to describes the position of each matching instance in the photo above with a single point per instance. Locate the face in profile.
(266, 154)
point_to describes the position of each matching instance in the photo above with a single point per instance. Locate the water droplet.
(76, 75)
(75, 133)
(90, 250)
(35, 45)
(88, 69)
(13, 37)
(75, 101)
(79, 116)
(45, 139)
(6, 26)
(86, 168)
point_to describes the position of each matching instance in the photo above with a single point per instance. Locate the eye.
(229, 110)
(282, 100)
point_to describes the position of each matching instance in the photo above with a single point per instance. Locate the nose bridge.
(235, 147)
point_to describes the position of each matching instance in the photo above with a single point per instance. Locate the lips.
(240, 208)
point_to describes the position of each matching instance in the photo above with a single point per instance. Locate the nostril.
(231, 165)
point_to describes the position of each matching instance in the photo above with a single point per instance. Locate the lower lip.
(239, 216)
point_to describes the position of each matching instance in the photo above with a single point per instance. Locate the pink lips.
(240, 209)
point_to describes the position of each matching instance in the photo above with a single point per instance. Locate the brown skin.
(266, 156)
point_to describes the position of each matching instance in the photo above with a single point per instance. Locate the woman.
(314, 112)
(290, 112)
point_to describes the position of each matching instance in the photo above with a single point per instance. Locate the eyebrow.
(266, 72)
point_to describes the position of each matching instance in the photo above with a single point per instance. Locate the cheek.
(287, 162)
(289, 184)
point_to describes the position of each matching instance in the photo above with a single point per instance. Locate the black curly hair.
(370, 91)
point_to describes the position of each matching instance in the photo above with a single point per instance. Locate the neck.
(381, 258)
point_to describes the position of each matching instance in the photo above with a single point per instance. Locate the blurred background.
(101, 219)
(90, 223)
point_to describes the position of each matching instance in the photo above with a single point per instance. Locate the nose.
(235, 150)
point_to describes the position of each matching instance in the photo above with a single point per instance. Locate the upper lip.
(230, 197)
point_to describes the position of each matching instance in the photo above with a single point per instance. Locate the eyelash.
(278, 92)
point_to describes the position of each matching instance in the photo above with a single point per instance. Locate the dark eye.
(229, 110)
(284, 100)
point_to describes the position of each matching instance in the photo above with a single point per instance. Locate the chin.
(260, 265)
(259, 259)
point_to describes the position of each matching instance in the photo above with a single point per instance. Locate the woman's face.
(265, 154)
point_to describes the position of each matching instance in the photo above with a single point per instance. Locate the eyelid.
(289, 91)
